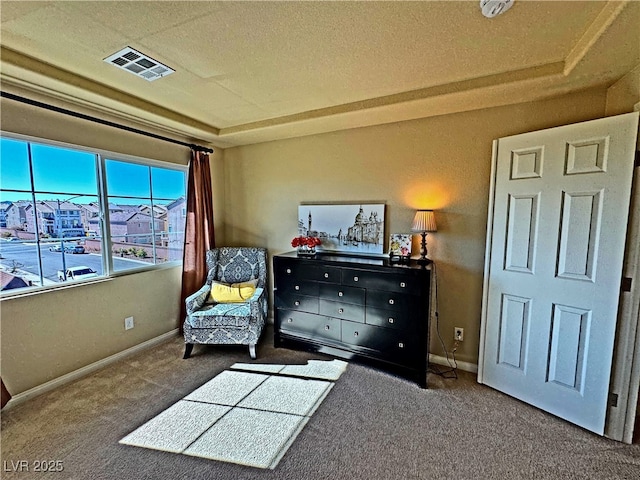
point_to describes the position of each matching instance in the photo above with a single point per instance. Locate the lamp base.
(423, 260)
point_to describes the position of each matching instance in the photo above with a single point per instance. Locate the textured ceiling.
(256, 71)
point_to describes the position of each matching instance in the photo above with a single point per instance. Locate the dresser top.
(353, 260)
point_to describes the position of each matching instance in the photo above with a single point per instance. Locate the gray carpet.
(371, 426)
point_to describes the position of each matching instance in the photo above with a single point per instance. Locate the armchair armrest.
(258, 304)
(195, 301)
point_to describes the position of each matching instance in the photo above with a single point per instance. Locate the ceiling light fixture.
(493, 8)
(139, 64)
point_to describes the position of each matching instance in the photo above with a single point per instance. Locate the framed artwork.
(400, 244)
(344, 228)
(400, 248)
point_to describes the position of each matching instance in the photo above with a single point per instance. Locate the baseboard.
(84, 371)
(466, 366)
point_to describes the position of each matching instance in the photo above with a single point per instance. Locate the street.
(23, 258)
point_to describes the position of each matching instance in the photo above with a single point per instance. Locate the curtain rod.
(35, 103)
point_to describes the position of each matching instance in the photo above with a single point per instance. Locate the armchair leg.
(252, 350)
(188, 348)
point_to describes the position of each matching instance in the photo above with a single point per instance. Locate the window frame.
(101, 156)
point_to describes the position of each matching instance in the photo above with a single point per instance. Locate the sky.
(70, 172)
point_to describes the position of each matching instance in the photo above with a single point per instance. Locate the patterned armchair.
(229, 323)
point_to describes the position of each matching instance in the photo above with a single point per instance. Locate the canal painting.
(346, 228)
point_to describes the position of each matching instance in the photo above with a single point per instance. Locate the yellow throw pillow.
(232, 293)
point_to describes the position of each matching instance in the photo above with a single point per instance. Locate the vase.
(305, 251)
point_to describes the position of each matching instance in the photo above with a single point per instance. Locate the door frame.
(625, 373)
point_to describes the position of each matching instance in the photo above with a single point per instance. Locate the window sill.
(74, 284)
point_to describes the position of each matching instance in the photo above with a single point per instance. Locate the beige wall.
(47, 335)
(44, 336)
(441, 163)
(624, 94)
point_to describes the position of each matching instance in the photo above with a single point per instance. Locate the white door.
(555, 245)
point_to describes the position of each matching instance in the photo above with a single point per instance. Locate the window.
(62, 208)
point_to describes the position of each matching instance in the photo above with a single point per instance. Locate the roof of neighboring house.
(90, 207)
(51, 206)
(63, 205)
(21, 203)
(41, 207)
(176, 203)
(9, 281)
(136, 217)
(158, 210)
(115, 217)
(5, 205)
(114, 207)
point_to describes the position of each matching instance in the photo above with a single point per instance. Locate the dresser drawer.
(396, 302)
(307, 325)
(340, 293)
(390, 282)
(382, 342)
(327, 273)
(347, 311)
(293, 301)
(300, 270)
(289, 271)
(392, 319)
(298, 286)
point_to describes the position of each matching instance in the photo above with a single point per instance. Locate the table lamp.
(423, 222)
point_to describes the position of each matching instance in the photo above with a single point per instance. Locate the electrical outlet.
(128, 323)
(458, 334)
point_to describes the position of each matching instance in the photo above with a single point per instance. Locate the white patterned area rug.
(248, 415)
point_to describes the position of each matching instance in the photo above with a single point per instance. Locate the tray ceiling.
(248, 72)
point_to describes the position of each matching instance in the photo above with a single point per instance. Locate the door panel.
(521, 228)
(560, 203)
(579, 235)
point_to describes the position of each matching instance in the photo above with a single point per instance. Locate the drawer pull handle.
(326, 327)
(340, 294)
(297, 287)
(391, 320)
(289, 320)
(296, 303)
(355, 334)
(288, 270)
(355, 279)
(402, 284)
(391, 301)
(341, 310)
(401, 345)
(326, 275)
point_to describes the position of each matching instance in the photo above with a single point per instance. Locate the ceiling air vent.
(139, 64)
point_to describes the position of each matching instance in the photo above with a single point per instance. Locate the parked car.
(67, 248)
(77, 273)
(57, 248)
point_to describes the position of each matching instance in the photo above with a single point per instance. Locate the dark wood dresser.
(356, 308)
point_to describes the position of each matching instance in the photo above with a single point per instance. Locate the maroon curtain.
(6, 396)
(198, 236)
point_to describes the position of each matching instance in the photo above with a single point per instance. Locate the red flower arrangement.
(302, 241)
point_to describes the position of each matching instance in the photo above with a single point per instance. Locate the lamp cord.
(452, 372)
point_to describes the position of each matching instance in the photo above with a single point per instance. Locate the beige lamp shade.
(424, 221)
